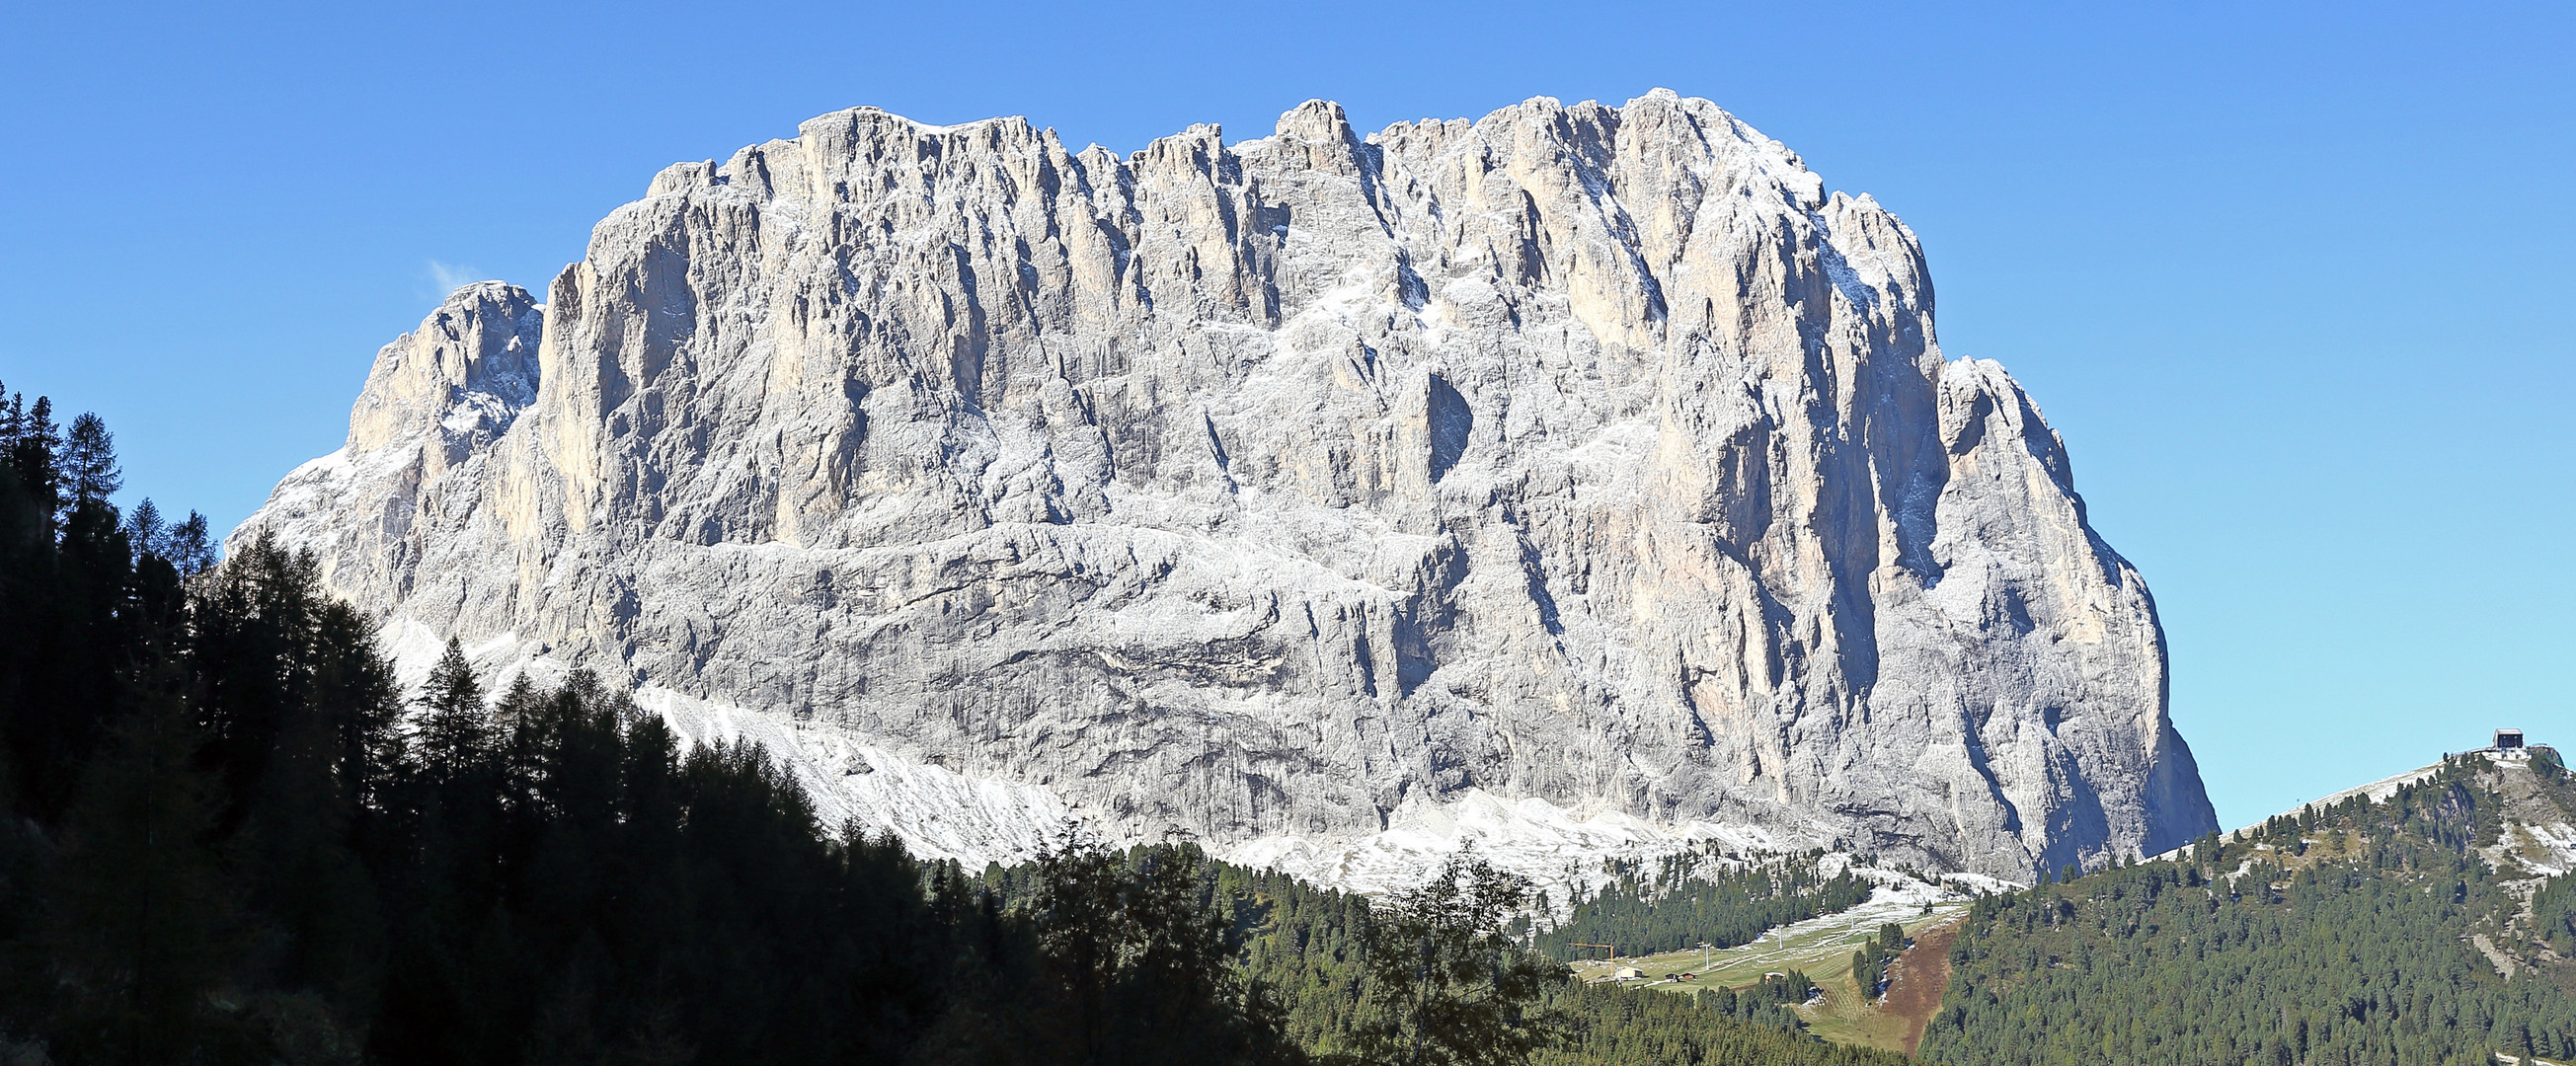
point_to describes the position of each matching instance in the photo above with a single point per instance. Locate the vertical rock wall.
(1590, 454)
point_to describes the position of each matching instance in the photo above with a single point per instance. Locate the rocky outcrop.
(1587, 454)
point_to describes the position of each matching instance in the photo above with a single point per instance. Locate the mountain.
(1577, 478)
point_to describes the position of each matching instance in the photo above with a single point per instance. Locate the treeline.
(227, 836)
(2343, 935)
(1678, 902)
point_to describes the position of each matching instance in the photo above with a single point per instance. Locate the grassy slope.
(1822, 947)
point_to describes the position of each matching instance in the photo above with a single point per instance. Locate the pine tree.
(184, 545)
(188, 546)
(250, 634)
(455, 727)
(144, 527)
(89, 471)
(35, 447)
(355, 691)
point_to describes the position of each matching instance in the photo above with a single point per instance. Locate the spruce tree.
(144, 527)
(355, 691)
(35, 447)
(455, 726)
(89, 471)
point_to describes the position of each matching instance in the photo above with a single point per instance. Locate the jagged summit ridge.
(1588, 454)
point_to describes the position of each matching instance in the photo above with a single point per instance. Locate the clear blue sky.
(2292, 279)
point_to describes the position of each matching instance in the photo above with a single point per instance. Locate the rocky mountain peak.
(458, 380)
(1583, 456)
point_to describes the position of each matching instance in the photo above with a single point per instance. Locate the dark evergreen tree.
(456, 726)
(35, 455)
(1447, 986)
(88, 465)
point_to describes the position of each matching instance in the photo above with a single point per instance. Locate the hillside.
(2416, 920)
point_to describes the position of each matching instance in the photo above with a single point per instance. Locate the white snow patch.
(2558, 841)
(938, 812)
(1556, 848)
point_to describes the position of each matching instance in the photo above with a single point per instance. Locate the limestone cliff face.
(1583, 453)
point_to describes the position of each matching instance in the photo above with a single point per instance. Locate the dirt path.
(1918, 978)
